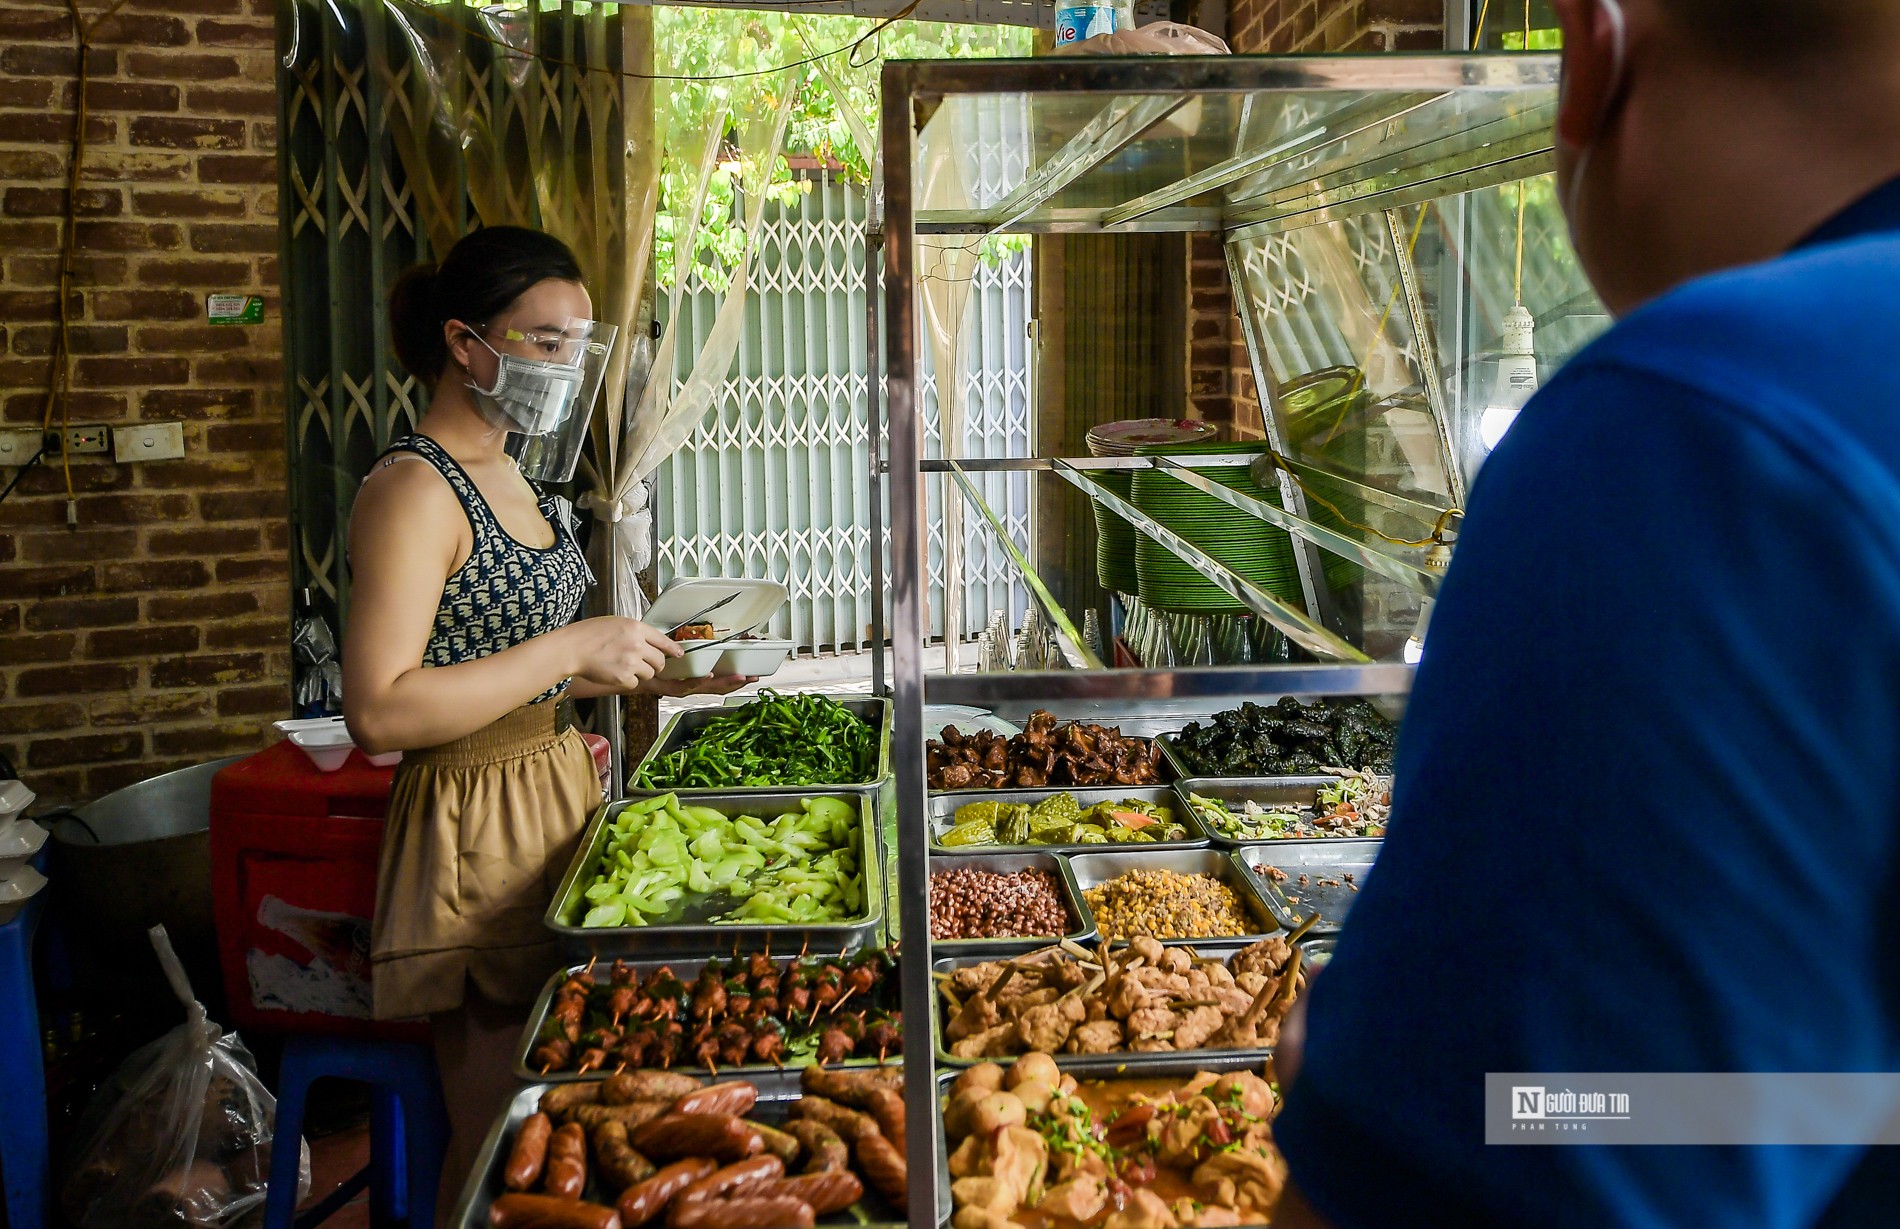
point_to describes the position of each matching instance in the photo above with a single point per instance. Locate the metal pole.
(875, 418)
(908, 581)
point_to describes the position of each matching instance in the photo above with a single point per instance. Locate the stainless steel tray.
(686, 937)
(1091, 869)
(688, 969)
(1006, 863)
(943, 807)
(485, 1182)
(686, 724)
(1329, 859)
(1303, 790)
(1223, 950)
(1111, 1067)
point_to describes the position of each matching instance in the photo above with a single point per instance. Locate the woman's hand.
(712, 685)
(619, 654)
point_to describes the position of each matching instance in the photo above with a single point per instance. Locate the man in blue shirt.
(1648, 806)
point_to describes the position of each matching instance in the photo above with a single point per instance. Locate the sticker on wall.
(234, 308)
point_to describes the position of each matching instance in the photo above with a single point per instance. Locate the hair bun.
(415, 322)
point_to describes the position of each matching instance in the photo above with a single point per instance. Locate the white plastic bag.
(181, 1133)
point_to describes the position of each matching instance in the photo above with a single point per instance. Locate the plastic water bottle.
(1080, 19)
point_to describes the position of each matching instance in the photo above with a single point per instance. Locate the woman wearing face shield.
(463, 638)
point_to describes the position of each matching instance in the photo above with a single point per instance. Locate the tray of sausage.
(670, 1151)
(747, 1015)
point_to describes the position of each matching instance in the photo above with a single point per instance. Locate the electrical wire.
(31, 462)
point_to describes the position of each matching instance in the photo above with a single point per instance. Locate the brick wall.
(154, 635)
(1220, 377)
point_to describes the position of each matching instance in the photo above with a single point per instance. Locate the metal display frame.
(1498, 146)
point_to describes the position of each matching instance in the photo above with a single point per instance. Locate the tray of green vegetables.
(777, 742)
(675, 876)
(985, 821)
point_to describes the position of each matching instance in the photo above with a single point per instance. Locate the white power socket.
(148, 441)
(17, 447)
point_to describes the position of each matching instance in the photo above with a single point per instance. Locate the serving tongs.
(703, 613)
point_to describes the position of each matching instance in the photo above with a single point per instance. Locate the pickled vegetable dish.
(1353, 806)
(662, 855)
(1061, 820)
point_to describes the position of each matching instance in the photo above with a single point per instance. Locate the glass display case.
(1402, 273)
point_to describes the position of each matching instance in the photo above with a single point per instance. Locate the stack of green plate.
(1245, 544)
(1115, 538)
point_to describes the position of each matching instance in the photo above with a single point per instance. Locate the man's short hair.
(1766, 33)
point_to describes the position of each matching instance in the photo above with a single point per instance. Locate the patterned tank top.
(506, 591)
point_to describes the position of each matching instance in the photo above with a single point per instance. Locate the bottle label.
(1075, 22)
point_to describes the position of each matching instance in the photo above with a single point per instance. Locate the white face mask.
(529, 396)
(1573, 198)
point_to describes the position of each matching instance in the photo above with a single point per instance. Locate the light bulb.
(1514, 381)
(1414, 651)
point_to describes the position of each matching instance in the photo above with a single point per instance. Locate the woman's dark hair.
(483, 273)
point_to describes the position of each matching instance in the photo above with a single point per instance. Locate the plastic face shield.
(546, 401)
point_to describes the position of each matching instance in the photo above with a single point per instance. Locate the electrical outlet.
(19, 447)
(148, 441)
(93, 437)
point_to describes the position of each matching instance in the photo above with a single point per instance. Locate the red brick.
(80, 339)
(198, 203)
(246, 437)
(148, 709)
(132, 372)
(234, 238)
(18, 236)
(27, 60)
(142, 641)
(41, 25)
(82, 545)
(87, 270)
(128, 236)
(146, 305)
(194, 271)
(55, 128)
(31, 650)
(237, 168)
(204, 473)
(104, 779)
(249, 571)
(25, 93)
(254, 701)
(263, 634)
(192, 338)
(141, 30)
(34, 718)
(198, 403)
(20, 164)
(64, 581)
(162, 575)
(247, 100)
(90, 477)
(241, 505)
(81, 612)
(209, 670)
(72, 679)
(67, 749)
(1415, 40)
(170, 607)
(231, 540)
(81, 406)
(140, 165)
(267, 370)
(133, 509)
(206, 740)
(235, 33)
(187, 133)
(140, 96)
(178, 66)
(214, 8)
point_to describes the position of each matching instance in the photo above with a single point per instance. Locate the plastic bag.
(181, 1134)
(1157, 38)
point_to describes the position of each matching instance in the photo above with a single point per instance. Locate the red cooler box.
(293, 865)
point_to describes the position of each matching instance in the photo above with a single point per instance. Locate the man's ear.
(1593, 70)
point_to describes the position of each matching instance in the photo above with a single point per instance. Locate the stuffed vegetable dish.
(1060, 819)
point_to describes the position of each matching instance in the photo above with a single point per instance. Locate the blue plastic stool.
(23, 1160)
(408, 1130)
